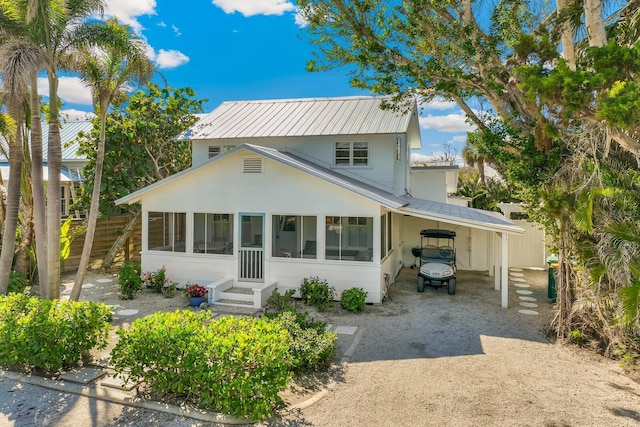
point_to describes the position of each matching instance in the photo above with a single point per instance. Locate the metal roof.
(359, 115)
(454, 214)
(470, 217)
(68, 133)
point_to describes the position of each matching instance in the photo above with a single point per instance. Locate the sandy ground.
(421, 359)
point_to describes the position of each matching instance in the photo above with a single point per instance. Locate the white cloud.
(73, 114)
(162, 24)
(438, 104)
(447, 123)
(176, 30)
(300, 20)
(170, 58)
(127, 11)
(70, 89)
(255, 7)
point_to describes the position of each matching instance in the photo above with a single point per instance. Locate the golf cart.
(437, 259)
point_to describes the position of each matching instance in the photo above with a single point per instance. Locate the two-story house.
(286, 189)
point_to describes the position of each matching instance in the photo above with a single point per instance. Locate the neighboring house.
(286, 189)
(72, 162)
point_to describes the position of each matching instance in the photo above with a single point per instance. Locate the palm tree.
(55, 25)
(18, 62)
(109, 70)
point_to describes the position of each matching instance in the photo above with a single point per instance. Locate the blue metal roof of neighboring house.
(475, 218)
(68, 134)
(358, 115)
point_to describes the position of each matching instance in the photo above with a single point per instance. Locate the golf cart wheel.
(420, 284)
(452, 287)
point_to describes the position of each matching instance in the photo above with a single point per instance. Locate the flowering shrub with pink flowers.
(155, 280)
(129, 280)
(316, 292)
(196, 290)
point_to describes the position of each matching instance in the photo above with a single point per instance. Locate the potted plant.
(196, 294)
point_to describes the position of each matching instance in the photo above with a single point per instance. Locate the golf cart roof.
(440, 234)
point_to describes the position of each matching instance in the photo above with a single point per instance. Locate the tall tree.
(55, 24)
(109, 70)
(17, 63)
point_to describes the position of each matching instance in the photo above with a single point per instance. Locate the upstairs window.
(351, 153)
(214, 150)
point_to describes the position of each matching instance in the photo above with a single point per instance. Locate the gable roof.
(475, 218)
(359, 115)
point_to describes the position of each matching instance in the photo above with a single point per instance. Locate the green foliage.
(17, 282)
(155, 280)
(129, 280)
(313, 347)
(140, 146)
(316, 292)
(353, 299)
(233, 365)
(169, 290)
(278, 302)
(50, 335)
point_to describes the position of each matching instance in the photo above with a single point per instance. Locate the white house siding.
(529, 249)
(380, 172)
(221, 187)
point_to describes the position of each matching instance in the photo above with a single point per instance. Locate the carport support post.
(505, 270)
(496, 263)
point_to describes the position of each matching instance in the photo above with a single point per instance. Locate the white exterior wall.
(429, 185)
(381, 171)
(221, 187)
(471, 244)
(529, 249)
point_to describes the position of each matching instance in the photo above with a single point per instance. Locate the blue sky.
(244, 49)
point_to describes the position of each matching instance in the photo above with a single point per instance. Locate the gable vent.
(252, 166)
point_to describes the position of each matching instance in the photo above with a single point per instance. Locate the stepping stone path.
(529, 302)
(107, 281)
(346, 330)
(127, 312)
(88, 286)
(66, 292)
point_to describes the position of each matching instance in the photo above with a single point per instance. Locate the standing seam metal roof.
(299, 117)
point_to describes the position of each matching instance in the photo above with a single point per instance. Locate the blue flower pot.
(196, 301)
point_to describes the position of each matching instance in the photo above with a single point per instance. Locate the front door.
(251, 252)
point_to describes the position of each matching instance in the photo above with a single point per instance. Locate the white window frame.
(351, 160)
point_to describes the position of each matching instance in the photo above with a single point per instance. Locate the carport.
(498, 227)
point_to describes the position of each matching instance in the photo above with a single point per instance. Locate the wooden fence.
(107, 231)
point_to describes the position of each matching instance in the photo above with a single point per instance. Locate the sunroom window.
(213, 233)
(166, 231)
(294, 236)
(349, 238)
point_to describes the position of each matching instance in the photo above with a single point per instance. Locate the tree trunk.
(564, 292)
(568, 49)
(39, 202)
(120, 241)
(93, 210)
(13, 203)
(53, 192)
(596, 31)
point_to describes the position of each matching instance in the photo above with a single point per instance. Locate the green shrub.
(278, 302)
(316, 292)
(313, 347)
(233, 365)
(353, 299)
(155, 280)
(129, 280)
(50, 335)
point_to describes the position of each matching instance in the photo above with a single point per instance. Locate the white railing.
(251, 264)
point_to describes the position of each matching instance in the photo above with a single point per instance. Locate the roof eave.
(510, 229)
